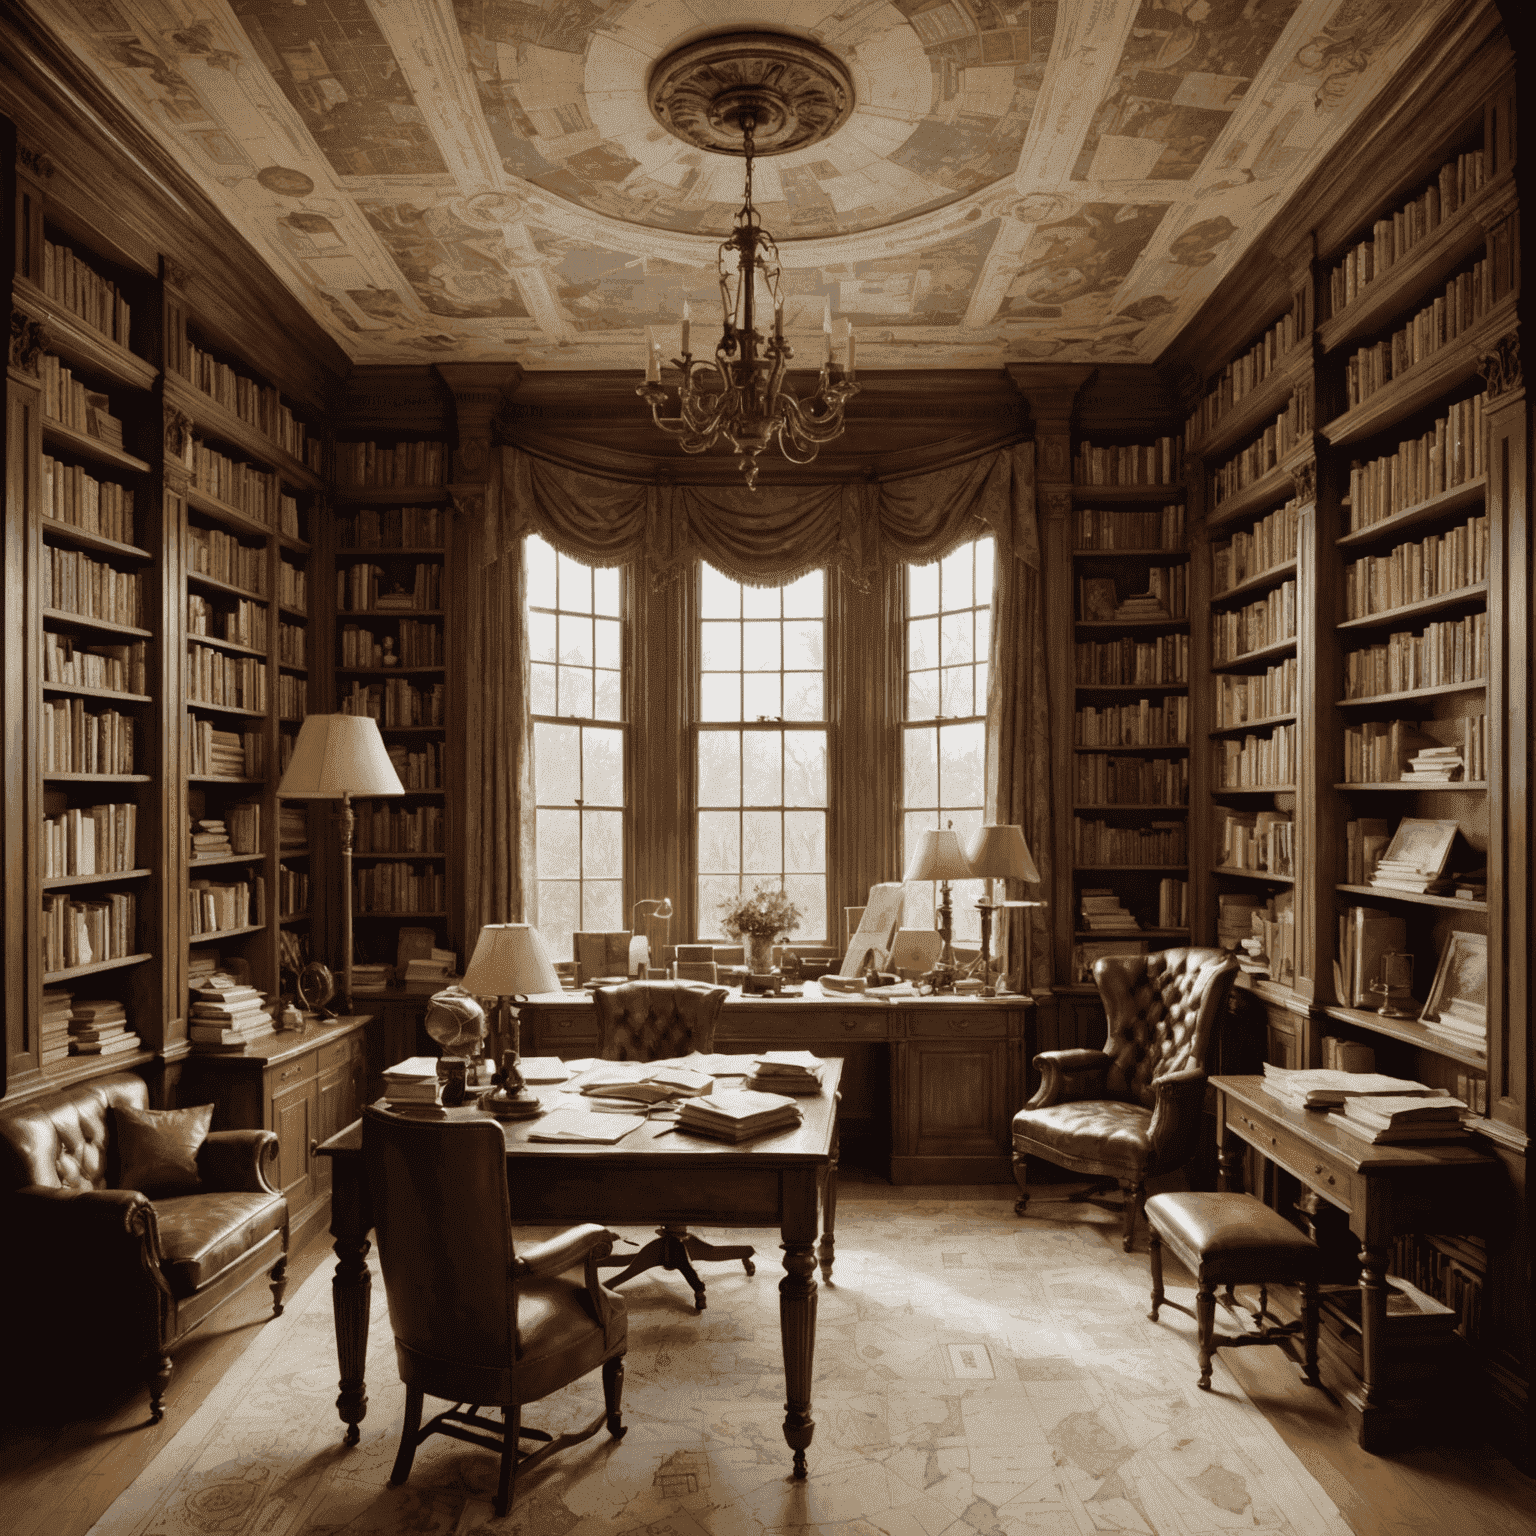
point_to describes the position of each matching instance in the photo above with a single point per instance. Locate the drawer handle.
(850, 1023)
(314, 1147)
(293, 1071)
(961, 1024)
(1319, 1169)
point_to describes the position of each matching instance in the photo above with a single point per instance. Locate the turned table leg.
(351, 1301)
(829, 1212)
(797, 1313)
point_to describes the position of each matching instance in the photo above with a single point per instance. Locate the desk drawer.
(338, 1052)
(983, 1024)
(827, 1026)
(292, 1072)
(1330, 1177)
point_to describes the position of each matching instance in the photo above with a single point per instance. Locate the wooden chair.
(651, 1021)
(476, 1322)
(1132, 1110)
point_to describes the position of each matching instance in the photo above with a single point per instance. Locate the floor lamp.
(334, 758)
(1000, 853)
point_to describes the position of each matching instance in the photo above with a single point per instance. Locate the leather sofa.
(101, 1276)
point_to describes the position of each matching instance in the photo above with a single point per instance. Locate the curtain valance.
(777, 533)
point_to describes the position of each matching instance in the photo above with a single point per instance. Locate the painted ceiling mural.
(1019, 180)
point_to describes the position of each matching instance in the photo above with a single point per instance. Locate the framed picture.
(1422, 845)
(1460, 991)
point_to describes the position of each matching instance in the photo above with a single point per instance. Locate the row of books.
(1146, 723)
(292, 825)
(1172, 903)
(1166, 597)
(224, 754)
(1393, 237)
(1271, 541)
(395, 702)
(1158, 463)
(1132, 663)
(371, 589)
(1256, 760)
(217, 678)
(292, 645)
(67, 401)
(1262, 841)
(1130, 780)
(71, 494)
(1467, 298)
(90, 840)
(75, 583)
(53, 1025)
(1242, 376)
(237, 484)
(1268, 947)
(79, 740)
(1098, 843)
(218, 906)
(1448, 651)
(288, 515)
(1413, 571)
(114, 668)
(401, 888)
(243, 624)
(419, 767)
(292, 586)
(365, 465)
(1266, 451)
(237, 831)
(292, 891)
(255, 403)
(1365, 840)
(86, 932)
(1097, 528)
(1453, 452)
(212, 552)
(393, 528)
(1377, 751)
(1267, 621)
(84, 292)
(419, 645)
(1241, 697)
(1448, 1269)
(414, 829)
(1088, 954)
(292, 696)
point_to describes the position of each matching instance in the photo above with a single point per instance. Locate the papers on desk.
(1324, 1088)
(641, 1082)
(797, 1072)
(738, 1115)
(580, 1124)
(543, 1069)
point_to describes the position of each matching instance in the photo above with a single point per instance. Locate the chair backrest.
(651, 1020)
(1162, 1010)
(444, 1225)
(65, 1139)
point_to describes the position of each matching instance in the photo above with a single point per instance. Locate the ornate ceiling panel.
(1017, 180)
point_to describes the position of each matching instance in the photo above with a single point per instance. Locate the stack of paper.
(412, 1082)
(641, 1082)
(1382, 1118)
(1320, 1088)
(738, 1115)
(579, 1124)
(786, 1072)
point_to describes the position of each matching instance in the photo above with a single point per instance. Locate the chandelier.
(723, 94)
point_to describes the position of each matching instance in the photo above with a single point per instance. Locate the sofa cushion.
(1088, 1131)
(157, 1148)
(201, 1235)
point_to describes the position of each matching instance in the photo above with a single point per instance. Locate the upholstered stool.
(1231, 1240)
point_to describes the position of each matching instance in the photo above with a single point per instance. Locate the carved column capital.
(1500, 368)
(29, 340)
(1304, 478)
(35, 161)
(178, 433)
(175, 274)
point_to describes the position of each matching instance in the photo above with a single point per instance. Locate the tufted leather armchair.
(475, 1321)
(1132, 1110)
(652, 1021)
(99, 1273)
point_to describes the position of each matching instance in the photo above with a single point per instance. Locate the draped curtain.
(764, 538)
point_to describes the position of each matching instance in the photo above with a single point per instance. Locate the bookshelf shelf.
(1477, 685)
(1274, 485)
(56, 528)
(1255, 410)
(394, 858)
(1460, 498)
(1137, 806)
(288, 919)
(213, 584)
(1262, 581)
(233, 646)
(218, 422)
(1414, 898)
(226, 709)
(97, 693)
(213, 935)
(1103, 869)
(226, 858)
(67, 440)
(1138, 751)
(1131, 688)
(231, 517)
(1249, 726)
(58, 882)
(1415, 789)
(387, 671)
(1253, 789)
(1092, 495)
(95, 968)
(97, 778)
(219, 778)
(81, 345)
(1252, 874)
(1262, 656)
(83, 621)
(1443, 602)
(1408, 1030)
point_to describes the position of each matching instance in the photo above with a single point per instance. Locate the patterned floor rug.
(976, 1375)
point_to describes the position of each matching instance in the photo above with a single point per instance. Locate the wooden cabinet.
(303, 1085)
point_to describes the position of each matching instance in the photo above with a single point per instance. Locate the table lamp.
(939, 856)
(640, 943)
(510, 960)
(334, 758)
(1000, 853)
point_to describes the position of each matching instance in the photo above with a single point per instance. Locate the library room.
(767, 769)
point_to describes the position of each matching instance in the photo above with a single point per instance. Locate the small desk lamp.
(939, 856)
(510, 961)
(1000, 853)
(640, 943)
(334, 758)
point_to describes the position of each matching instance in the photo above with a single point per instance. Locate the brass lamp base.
(521, 1105)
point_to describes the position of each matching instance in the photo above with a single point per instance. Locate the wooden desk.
(932, 1083)
(1386, 1190)
(655, 1175)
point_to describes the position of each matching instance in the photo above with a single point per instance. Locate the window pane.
(602, 907)
(541, 689)
(608, 638)
(714, 889)
(922, 644)
(920, 769)
(761, 602)
(575, 640)
(983, 632)
(957, 638)
(575, 692)
(805, 768)
(805, 842)
(809, 894)
(608, 696)
(922, 695)
(720, 646)
(802, 646)
(720, 596)
(961, 769)
(806, 598)
(606, 591)
(803, 698)
(720, 696)
(559, 915)
(559, 835)
(760, 696)
(922, 589)
(762, 843)
(760, 647)
(539, 561)
(602, 767)
(602, 843)
(719, 842)
(956, 578)
(985, 557)
(719, 768)
(557, 763)
(955, 691)
(541, 637)
(762, 768)
(575, 586)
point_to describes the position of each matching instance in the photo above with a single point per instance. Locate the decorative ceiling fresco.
(1019, 180)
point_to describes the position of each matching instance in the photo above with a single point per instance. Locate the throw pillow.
(158, 1149)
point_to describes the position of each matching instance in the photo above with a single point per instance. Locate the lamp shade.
(338, 755)
(1000, 853)
(938, 856)
(510, 960)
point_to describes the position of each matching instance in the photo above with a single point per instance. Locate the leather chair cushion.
(1087, 1131)
(1153, 1006)
(652, 1021)
(202, 1235)
(1233, 1237)
(157, 1148)
(63, 1140)
(560, 1335)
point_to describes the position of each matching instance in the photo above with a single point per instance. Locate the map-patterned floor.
(976, 1375)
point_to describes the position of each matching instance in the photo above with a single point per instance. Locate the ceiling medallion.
(794, 93)
(726, 91)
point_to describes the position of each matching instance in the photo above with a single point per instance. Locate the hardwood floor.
(59, 1473)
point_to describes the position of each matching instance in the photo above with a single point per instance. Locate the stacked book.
(201, 964)
(1460, 1021)
(227, 1015)
(1416, 858)
(54, 1025)
(1389, 1118)
(371, 977)
(738, 1115)
(794, 1072)
(99, 1027)
(210, 839)
(1322, 1088)
(623, 1085)
(431, 974)
(412, 1084)
(1103, 912)
(1434, 765)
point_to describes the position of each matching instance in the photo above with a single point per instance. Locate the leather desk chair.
(651, 1021)
(1132, 1110)
(475, 1321)
(99, 1273)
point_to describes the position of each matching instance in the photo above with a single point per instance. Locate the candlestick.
(778, 319)
(850, 375)
(687, 323)
(652, 359)
(826, 332)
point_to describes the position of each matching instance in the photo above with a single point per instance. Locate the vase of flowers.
(757, 920)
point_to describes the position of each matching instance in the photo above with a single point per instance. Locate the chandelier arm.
(809, 428)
